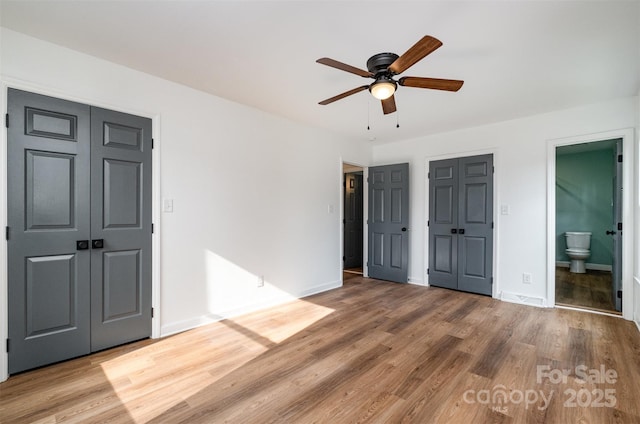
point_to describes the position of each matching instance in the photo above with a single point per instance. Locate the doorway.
(353, 221)
(79, 229)
(460, 240)
(588, 225)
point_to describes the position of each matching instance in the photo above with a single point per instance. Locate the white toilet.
(578, 244)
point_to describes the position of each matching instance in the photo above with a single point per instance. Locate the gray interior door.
(79, 246)
(616, 231)
(443, 223)
(48, 198)
(120, 228)
(461, 224)
(388, 222)
(353, 220)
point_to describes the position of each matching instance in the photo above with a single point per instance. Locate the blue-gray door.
(353, 220)
(461, 224)
(616, 231)
(388, 222)
(120, 228)
(74, 285)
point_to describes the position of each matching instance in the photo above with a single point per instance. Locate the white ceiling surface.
(517, 58)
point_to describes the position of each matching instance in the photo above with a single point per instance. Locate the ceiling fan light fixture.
(382, 89)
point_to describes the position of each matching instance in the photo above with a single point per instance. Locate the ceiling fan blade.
(389, 105)
(343, 95)
(422, 48)
(433, 83)
(344, 67)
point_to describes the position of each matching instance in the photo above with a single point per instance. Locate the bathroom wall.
(584, 196)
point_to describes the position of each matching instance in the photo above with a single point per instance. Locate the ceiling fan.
(382, 67)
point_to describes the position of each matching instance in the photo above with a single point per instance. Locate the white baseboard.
(595, 267)
(522, 299)
(416, 281)
(188, 324)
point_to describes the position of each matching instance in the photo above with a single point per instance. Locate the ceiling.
(517, 58)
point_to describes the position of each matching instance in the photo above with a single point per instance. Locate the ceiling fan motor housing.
(378, 64)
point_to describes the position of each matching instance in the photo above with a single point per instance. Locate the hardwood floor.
(371, 351)
(591, 290)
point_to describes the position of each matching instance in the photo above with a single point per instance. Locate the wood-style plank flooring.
(591, 290)
(371, 351)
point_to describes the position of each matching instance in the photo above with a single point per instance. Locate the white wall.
(520, 159)
(251, 191)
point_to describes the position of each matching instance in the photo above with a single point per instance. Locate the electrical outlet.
(261, 281)
(526, 278)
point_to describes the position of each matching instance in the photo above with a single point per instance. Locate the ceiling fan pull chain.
(368, 115)
(397, 119)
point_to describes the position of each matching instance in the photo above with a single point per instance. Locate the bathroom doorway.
(589, 226)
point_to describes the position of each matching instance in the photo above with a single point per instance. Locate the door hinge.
(492, 225)
(344, 221)
(6, 120)
(152, 228)
(344, 258)
(152, 143)
(619, 158)
(428, 175)
(427, 271)
(493, 169)
(152, 312)
(491, 280)
(6, 232)
(619, 294)
(427, 223)
(7, 345)
(619, 226)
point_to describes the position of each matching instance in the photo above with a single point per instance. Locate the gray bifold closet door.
(79, 227)
(461, 224)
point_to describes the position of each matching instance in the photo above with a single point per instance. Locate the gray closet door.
(461, 224)
(388, 222)
(48, 198)
(120, 228)
(443, 223)
(353, 220)
(79, 218)
(475, 222)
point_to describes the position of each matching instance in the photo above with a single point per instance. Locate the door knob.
(97, 243)
(461, 231)
(610, 233)
(454, 231)
(82, 244)
(404, 228)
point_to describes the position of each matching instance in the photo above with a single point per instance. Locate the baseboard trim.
(188, 324)
(522, 299)
(594, 267)
(416, 281)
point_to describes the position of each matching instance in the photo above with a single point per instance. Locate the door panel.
(76, 174)
(460, 223)
(48, 193)
(353, 220)
(121, 217)
(443, 221)
(617, 235)
(388, 222)
(476, 202)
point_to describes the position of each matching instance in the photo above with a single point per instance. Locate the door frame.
(365, 212)
(5, 84)
(628, 151)
(495, 287)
